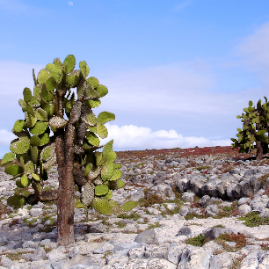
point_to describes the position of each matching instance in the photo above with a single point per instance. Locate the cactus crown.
(94, 172)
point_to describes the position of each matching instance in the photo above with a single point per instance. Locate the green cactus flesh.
(93, 81)
(120, 184)
(104, 117)
(102, 90)
(101, 190)
(72, 79)
(78, 204)
(115, 206)
(92, 138)
(58, 62)
(102, 206)
(55, 71)
(84, 68)
(128, 206)
(30, 120)
(98, 158)
(116, 175)
(102, 130)
(35, 177)
(87, 194)
(91, 94)
(44, 139)
(51, 85)
(34, 154)
(43, 76)
(42, 114)
(48, 152)
(23, 104)
(8, 157)
(109, 157)
(27, 95)
(93, 103)
(108, 147)
(30, 110)
(93, 129)
(20, 146)
(39, 128)
(117, 165)
(16, 201)
(29, 167)
(91, 119)
(18, 183)
(13, 169)
(109, 195)
(25, 181)
(35, 141)
(47, 165)
(88, 168)
(18, 126)
(107, 171)
(69, 63)
(34, 102)
(23, 158)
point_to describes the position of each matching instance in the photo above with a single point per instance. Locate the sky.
(178, 72)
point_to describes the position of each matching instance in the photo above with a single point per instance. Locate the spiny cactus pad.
(25, 181)
(108, 147)
(72, 79)
(107, 171)
(20, 146)
(35, 141)
(8, 157)
(101, 130)
(84, 68)
(128, 206)
(69, 63)
(34, 154)
(42, 114)
(29, 168)
(93, 81)
(18, 126)
(94, 173)
(13, 169)
(94, 103)
(27, 95)
(102, 206)
(92, 138)
(55, 71)
(104, 117)
(39, 128)
(110, 157)
(120, 184)
(101, 190)
(57, 123)
(116, 175)
(35, 177)
(102, 90)
(43, 76)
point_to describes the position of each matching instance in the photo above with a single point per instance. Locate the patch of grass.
(29, 222)
(237, 263)
(198, 241)
(15, 256)
(133, 216)
(227, 208)
(263, 178)
(120, 224)
(218, 226)
(106, 254)
(171, 212)
(253, 219)
(202, 168)
(47, 229)
(153, 199)
(151, 226)
(139, 164)
(190, 216)
(239, 239)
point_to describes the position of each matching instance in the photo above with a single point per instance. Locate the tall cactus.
(255, 126)
(74, 146)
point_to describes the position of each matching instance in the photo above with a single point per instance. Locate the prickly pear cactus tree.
(75, 145)
(255, 126)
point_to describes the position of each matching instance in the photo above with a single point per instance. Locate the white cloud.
(254, 51)
(182, 5)
(6, 137)
(133, 137)
(70, 3)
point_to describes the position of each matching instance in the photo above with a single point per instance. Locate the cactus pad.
(109, 195)
(102, 130)
(39, 128)
(25, 181)
(98, 157)
(107, 171)
(43, 76)
(57, 123)
(108, 147)
(42, 114)
(109, 157)
(8, 157)
(13, 169)
(91, 93)
(18, 183)
(93, 81)
(20, 146)
(104, 117)
(87, 194)
(128, 206)
(27, 95)
(44, 139)
(92, 139)
(117, 165)
(34, 154)
(29, 168)
(69, 63)
(58, 62)
(102, 206)
(23, 104)
(55, 71)
(102, 90)
(98, 181)
(72, 79)
(84, 68)
(30, 120)
(91, 119)
(94, 173)
(116, 175)
(88, 168)
(101, 190)
(120, 184)
(35, 177)
(35, 141)
(93, 103)
(48, 152)
(18, 126)
(47, 165)
(16, 201)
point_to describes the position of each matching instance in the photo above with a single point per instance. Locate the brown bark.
(259, 151)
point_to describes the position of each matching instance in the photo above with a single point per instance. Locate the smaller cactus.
(128, 206)
(8, 157)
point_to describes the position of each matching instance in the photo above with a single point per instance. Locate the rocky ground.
(197, 208)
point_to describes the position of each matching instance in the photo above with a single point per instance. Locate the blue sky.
(178, 72)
